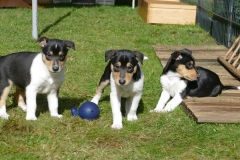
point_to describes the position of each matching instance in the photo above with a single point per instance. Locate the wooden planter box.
(166, 12)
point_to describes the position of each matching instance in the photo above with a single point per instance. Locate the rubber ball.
(74, 111)
(89, 111)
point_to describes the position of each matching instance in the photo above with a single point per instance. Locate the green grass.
(95, 29)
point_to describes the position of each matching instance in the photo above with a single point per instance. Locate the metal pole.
(34, 19)
(230, 23)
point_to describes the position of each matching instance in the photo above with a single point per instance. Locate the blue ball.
(89, 110)
(74, 111)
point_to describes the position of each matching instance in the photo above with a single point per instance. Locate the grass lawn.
(95, 29)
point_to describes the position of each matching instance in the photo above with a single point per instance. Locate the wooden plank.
(211, 112)
(220, 98)
(190, 47)
(13, 3)
(229, 67)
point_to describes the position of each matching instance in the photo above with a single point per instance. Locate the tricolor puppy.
(181, 79)
(34, 73)
(125, 76)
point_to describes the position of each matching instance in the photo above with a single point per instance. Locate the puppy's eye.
(189, 65)
(116, 67)
(61, 57)
(48, 56)
(130, 68)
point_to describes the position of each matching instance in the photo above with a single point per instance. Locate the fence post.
(230, 9)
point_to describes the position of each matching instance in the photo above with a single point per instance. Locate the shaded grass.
(95, 29)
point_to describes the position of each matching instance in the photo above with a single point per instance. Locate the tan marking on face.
(5, 93)
(116, 75)
(130, 75)
(101, 86)
(127, 77)
(49, 64)
(189, 74)
(19, 96)
(61, 63)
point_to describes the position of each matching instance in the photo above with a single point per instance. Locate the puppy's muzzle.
(55, 66)
(122, 81)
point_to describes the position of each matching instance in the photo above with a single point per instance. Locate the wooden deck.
(222, 109)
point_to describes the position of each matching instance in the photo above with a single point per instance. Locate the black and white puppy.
(126, 79)
(181, 79)
(34, 73)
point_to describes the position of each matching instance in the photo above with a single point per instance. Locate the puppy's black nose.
(55, 68)
(122, 81)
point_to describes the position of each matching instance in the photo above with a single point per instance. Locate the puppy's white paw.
(23, 106)
(31, 118)
(94, 101)
(158, 110)
(4, 115)
(132, 117)
(3, 112)
(96, 98)
(57, 115)
(116, 126)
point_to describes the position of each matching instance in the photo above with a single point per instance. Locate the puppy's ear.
(43, 41)
(139, 56)
(185, 50)
(176, 55)
(109, 54)
(70, 44)
(188, 52)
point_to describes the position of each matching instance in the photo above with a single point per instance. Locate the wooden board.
(222, 109)
(13, 3)
(166, 12)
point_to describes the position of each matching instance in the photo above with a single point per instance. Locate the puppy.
(181, 79)
(125, 76)
(34, 73)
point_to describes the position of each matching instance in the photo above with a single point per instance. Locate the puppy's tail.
(231, 87)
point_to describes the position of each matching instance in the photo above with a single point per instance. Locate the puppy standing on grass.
(34, 73)
(181, 79)
(126, 80)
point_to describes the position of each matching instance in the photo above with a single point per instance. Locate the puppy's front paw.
(3, 112)
(57, 115)
(4, 115)
(23, 106)
(116, 126)
(31, 118)
(132, 117)
(157, 110)
(94, 101)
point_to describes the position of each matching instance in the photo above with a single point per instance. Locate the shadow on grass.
(65, 104)
(55, 23)
(139, 110)
(42, 104)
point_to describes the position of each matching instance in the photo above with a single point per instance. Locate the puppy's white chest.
(173, 85)
(42, 81)
(127, 90)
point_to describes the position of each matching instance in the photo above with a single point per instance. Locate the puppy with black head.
(126, 79)
(33, 73)
(181, 79)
